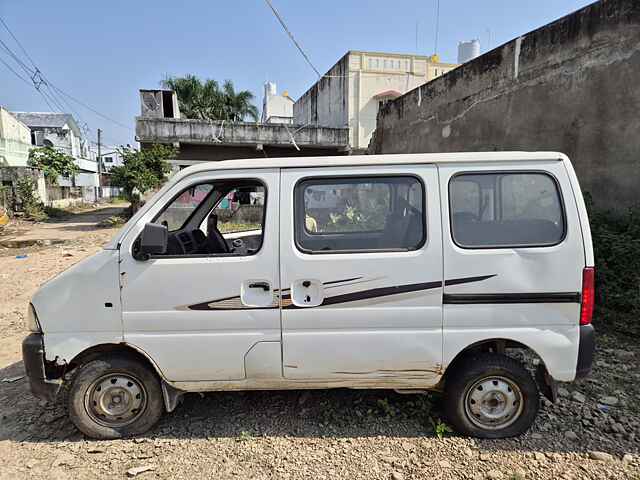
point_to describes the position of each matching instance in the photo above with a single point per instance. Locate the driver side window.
(219, 218)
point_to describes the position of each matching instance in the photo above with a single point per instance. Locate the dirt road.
(319, 435)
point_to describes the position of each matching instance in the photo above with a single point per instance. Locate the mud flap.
(172, 396)
(547, 385)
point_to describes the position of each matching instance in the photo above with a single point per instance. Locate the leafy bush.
(141, 171)
(616, 242)
(31, 205)
(53, 163)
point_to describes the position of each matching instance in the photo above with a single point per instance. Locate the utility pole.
(99, 166)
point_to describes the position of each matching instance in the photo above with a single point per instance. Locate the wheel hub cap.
(493, 402)
(115, 400)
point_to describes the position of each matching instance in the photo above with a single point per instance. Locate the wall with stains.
(571, 86)
(325, 103)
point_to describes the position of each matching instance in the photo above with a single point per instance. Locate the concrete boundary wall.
(571, 86)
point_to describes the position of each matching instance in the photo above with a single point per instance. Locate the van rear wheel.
(115, 397)
(491, 396)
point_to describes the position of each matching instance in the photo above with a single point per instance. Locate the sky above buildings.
(102, 53)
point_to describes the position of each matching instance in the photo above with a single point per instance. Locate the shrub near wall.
(616, 242)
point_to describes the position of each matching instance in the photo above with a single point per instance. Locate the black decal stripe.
(340, 281)
(460, 281)
(495, 298)
(376, 293)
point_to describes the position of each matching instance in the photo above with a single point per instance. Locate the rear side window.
(505, 210)
(359, 214)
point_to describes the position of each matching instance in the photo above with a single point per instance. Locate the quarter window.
(359, 214)
(505, 210)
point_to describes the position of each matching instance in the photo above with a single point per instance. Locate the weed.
(440, 428)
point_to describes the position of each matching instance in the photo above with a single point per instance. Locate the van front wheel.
(115, 397)
(491, 396)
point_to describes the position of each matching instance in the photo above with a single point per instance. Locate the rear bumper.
(33, 357)
(585, 351)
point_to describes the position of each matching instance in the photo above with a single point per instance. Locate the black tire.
(478, 370)
(143, 402)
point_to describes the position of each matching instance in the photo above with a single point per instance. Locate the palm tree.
(205, 100)
(238, 105)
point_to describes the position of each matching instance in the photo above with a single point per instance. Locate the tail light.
(588, 295)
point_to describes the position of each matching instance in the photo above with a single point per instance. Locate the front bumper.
(585, 351)
(33, 357)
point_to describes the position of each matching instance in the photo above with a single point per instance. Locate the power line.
(39, 79)
(18, 42)
(28, 70)
(275, 12)
(30, 83)
(16, 73)
(80, 102)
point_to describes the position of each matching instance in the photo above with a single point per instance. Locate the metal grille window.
(359, 214)
(506, 210)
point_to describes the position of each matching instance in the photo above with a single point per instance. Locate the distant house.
(61, 131)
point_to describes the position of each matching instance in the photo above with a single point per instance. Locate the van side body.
(386, 271)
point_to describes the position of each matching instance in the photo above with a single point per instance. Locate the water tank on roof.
(468, 50)
(269, 88)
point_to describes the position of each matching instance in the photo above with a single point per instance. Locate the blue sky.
(103, 52)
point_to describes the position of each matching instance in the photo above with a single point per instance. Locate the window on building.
(359, 214)
(505, 210)
(108, 159)
(37, 138)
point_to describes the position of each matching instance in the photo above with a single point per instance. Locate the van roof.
(358, 160)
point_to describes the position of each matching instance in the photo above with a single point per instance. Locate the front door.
(199, 309)
(361, 273)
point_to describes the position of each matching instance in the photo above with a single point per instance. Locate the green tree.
(29, 200)
(205, 100)
(141, 171)
(238, 105)
(53, 163)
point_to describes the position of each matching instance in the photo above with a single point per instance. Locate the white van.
(404, 272)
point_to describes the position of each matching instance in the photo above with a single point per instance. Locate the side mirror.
(153, 241)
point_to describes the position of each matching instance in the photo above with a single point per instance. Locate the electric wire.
(54, 91)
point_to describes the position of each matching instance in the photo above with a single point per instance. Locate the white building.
(60, 130)
(352, 91)
(15, 140)
(276, 108)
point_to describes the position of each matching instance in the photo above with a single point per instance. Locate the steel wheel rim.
(493, 402)
(115, 399)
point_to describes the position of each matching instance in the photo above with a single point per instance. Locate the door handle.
(263, 285)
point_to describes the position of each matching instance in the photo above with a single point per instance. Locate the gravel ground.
(592, 432)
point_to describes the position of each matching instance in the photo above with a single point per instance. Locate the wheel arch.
(171, 395)
(97, 351)
(500, 345)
